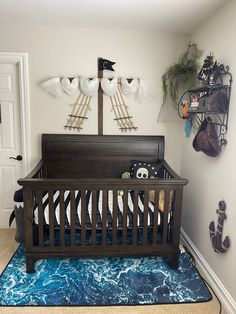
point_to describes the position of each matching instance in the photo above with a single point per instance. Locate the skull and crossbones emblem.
(142, 173)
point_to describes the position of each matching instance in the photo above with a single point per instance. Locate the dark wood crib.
(77, 205)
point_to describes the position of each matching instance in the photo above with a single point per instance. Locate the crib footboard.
(101, 217)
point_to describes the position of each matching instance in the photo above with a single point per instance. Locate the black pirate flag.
(104, 64)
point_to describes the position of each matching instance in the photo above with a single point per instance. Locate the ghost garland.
(113, 88)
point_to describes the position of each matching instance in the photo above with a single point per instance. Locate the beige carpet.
(8, 247)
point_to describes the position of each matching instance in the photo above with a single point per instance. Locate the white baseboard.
(225, 298)
(4, 218)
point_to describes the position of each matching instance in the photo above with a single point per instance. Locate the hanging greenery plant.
(183, 73)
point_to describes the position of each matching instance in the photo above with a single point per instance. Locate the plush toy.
(161, 197)
(187, 117)
(125, 175)
(187, 126)
(185, 109)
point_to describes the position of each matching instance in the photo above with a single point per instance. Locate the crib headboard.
(97, 156)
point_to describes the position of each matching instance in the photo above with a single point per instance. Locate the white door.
(10, 139)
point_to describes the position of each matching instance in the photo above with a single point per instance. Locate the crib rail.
(110, 232)
(37, 172)
(105, 234)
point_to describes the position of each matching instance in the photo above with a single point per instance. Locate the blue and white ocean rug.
(109, 281)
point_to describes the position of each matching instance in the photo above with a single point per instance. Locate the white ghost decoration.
(70, 86)
(127, 87)
(144, 93)
(89, 86)
(109, 86)
(53, 87)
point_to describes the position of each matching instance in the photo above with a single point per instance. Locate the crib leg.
(174, 263)
(30, 265)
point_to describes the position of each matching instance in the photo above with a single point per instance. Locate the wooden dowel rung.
(72, 127)
(123, 118)
(76, 116)
(128, 128)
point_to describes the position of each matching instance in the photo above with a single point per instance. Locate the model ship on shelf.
(210, 71)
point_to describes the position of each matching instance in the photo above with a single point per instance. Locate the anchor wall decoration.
(216, 235)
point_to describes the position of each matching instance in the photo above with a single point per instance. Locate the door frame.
(21, 59)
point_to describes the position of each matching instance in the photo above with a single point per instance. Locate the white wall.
(214, 179)
(67, 51)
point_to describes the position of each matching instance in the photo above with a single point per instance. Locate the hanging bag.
(206, 139)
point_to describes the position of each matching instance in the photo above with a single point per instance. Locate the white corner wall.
(214, 179)
(73, 52)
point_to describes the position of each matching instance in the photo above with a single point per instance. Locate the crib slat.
(104, 216)
(125, 212)
(150, 213)
(83, 217)
(145, 217)
(155, 218)
(62, 218)
(77, 202)
(135, 217)
(51, 218)
(140, 214)
(114, 221)
(165, 220)
(178, 194)
(109, 217)
(94, 216)
(119, 216)
(30, 237)
(130, 217)
(99, 218)
(88, 221)
(40, 217)
(72, 217)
